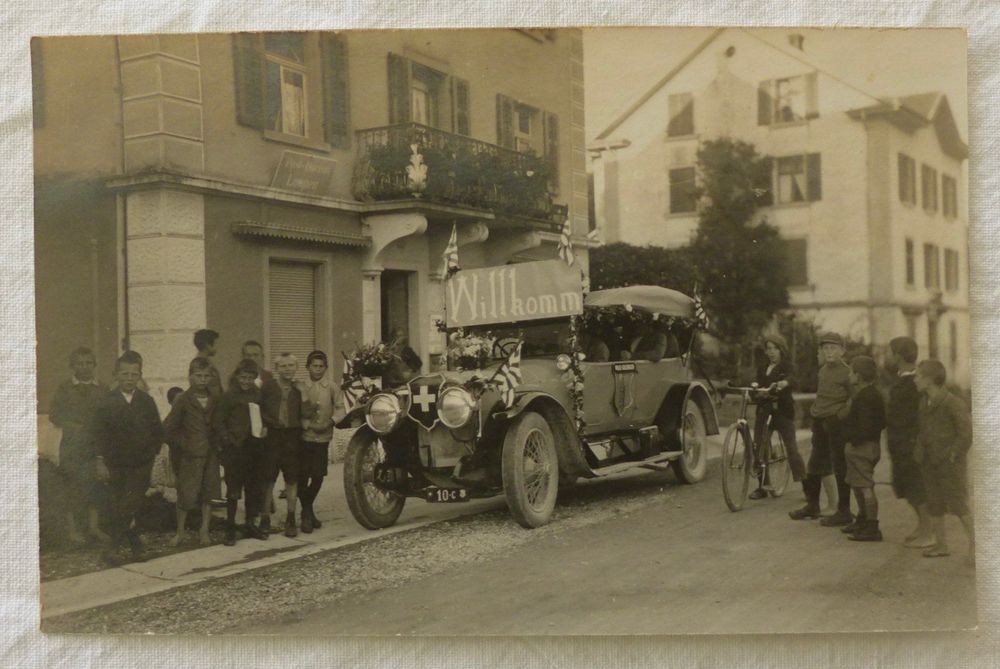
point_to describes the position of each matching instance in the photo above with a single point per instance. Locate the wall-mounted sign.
(304, 173)
(509, 293)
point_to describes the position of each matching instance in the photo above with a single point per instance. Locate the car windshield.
(541, 338)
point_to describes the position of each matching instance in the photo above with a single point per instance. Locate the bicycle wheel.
(736, 466)
(776, 459)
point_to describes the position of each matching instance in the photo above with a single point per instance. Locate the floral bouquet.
(371, 360)
(469, 351)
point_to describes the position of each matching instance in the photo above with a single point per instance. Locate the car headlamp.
(455, 407)
(562, 362)
(383, 412)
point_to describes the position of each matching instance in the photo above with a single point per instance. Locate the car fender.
(669, 416)
(569, 449)
(354, 418)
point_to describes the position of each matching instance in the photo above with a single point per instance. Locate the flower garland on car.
(574, 375)
(469, 351)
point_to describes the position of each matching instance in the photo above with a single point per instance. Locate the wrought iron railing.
(416, 161)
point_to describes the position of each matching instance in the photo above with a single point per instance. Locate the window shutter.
(812, 95)
(399, 89)
(505, 122)
(551, 130)
(292, 309)
(765, 183)
(814, 177)
(37, 84)
(765, 105)
(460, 110)
(336, 105)
(248, 60)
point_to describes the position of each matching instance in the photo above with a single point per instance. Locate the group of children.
(929, 432)
(261, 425)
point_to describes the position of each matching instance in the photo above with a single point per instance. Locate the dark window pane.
(682, 185)
(796, 262)
(681, 115)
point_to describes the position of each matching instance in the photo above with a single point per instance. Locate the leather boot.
(868, 532)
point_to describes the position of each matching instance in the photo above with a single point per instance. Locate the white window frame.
(288, 65)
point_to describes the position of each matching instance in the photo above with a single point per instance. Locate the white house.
(867, 191)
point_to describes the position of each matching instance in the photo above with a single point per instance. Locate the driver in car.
(651, 344)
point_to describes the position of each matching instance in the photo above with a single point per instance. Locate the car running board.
(660, 463)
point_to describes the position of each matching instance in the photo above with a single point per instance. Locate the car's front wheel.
(371, 506)
(530, 470)
(691, 466)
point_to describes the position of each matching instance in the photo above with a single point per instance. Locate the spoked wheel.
(530, 470)
(778, 471)
(693, 463)
(371, 506)
(736, 467)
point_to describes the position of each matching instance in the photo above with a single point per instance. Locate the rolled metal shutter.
(292, 310)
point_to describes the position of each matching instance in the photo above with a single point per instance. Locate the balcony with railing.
(412, 161)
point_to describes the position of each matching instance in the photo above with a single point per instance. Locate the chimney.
(796, 40)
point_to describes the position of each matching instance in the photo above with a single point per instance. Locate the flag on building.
(451, 253)
(354, 388)
(566, 243)
(700, 316)
(508, 377)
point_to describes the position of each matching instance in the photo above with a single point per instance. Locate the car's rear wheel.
(691, 466)
(371, 506)
(530, 470)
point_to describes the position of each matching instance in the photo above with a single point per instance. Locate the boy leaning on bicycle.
(777, 377)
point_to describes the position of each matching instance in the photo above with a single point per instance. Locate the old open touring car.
(522, 410)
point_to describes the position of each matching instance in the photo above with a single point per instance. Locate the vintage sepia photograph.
(522, 331)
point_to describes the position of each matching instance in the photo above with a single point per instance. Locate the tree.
(739, 261)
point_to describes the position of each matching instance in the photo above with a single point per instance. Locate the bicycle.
(742, 457)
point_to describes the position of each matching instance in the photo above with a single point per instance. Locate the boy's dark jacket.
(127, 435)
(232, 417)
(866, 418)
(903, 414)
(189, 425)
(783, 399)
(270, 405)
(945, 429)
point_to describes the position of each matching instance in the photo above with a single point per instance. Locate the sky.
(621, 64)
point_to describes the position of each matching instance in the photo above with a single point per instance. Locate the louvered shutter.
(814, 177)
(399, 89)
(292, 310)
(812, 96)
(551, 129)
(765, 105)
(460, 111)
(248, 61)
(505, 122)
(336, 118)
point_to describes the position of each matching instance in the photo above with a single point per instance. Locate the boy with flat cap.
(833, 394)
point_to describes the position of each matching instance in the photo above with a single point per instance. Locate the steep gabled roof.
(908, 112)
(912, 112)
(622, 117)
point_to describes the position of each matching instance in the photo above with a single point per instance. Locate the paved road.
(680, 564)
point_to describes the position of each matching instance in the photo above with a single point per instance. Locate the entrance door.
(395, 302)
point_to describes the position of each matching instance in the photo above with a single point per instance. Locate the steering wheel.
(502, 348)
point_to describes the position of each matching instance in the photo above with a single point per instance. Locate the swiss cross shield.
(625, 374)
(423, 399)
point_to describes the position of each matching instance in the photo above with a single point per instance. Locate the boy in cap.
(942, 443)
(902, 423)
(833, 393)
(863, 432)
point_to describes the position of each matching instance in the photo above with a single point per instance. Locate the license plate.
(447, 495)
